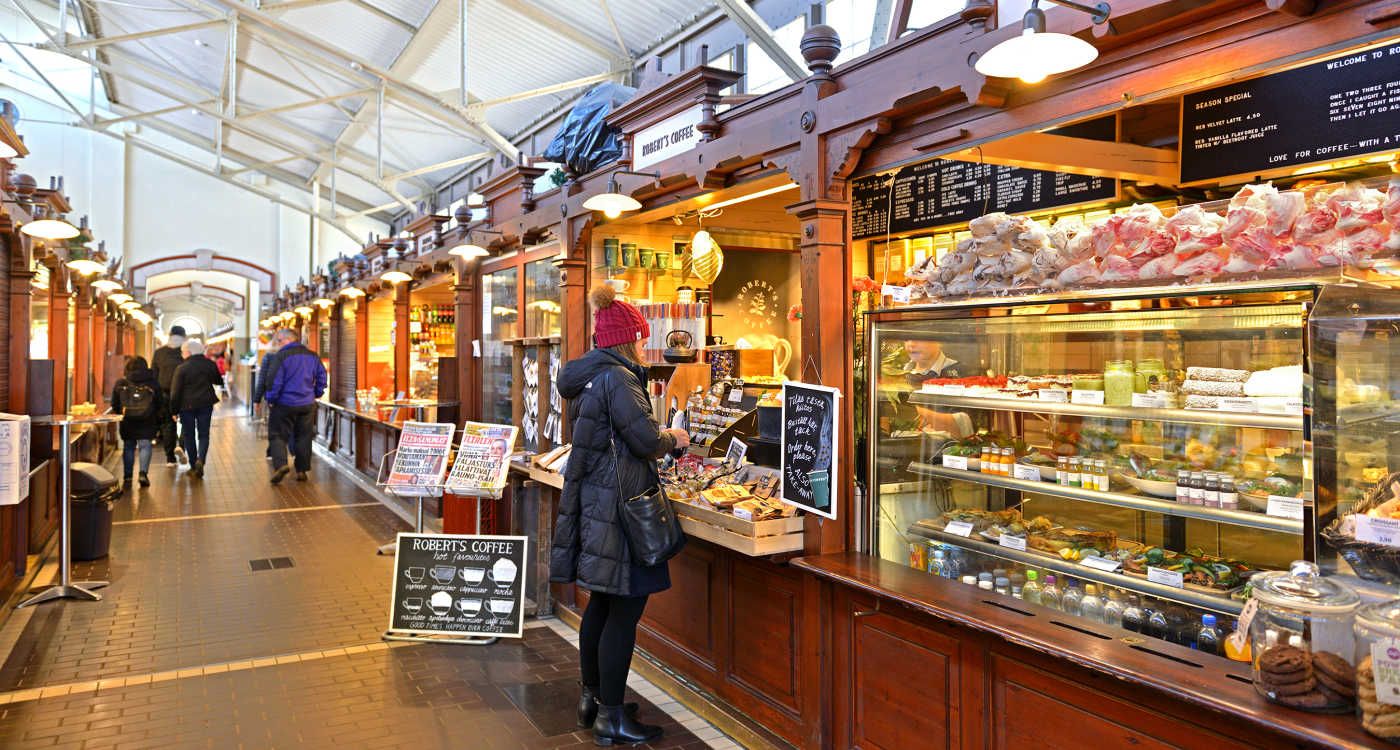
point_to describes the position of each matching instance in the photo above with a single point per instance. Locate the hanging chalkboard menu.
(449, 584)
(810, 445)
(939, 192)
(1334, 109)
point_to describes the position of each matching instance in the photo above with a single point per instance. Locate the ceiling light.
(325, 303)
(106, 285)
(303, 310)
(141, 316)
(1036, 53)
(50, 229)
(85, 266)
(352, 292)
(7, 151)
(614, 202)
(120, 298)
(395, 276)
(468, 251)
(130, 305)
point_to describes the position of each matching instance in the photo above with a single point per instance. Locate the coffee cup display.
(473, 576)
(443, 574)
(469, 607)
(414, 575)
(503, 572)
(501, 608)
(440, 603)
(413, 604)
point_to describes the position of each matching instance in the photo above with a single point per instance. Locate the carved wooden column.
(361, 343)
(465, 294)
(312, 336)
(402, 348)
(18, 306)
(82, 343)
(99, 351)
(59, 298)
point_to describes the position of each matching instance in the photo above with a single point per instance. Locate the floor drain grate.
(270, 563)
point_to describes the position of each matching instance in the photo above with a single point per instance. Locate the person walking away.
(192, 396)
(291, 395)
(164, 362)
(137, 397)
(222, 364)
(616, 444)
(262, 378)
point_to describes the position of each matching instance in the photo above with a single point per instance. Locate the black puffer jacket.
(139, 428)
(194, 384)
(164, 362)
(589, 545)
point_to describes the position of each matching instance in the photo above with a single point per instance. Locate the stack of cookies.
(1316, 682)
(1380, 719)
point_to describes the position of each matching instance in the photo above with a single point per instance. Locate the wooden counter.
(920, 661)
(363, 439)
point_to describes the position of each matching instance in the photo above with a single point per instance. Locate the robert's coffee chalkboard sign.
(939, 192)
(1339, 108)
(810, 445)
(448, 584)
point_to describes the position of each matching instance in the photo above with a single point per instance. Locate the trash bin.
(93, 490)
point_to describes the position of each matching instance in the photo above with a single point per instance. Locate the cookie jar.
(1378, 643)
(1302, 639)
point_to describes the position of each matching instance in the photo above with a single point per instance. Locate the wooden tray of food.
(753, 546)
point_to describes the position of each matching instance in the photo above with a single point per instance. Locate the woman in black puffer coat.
(136, 396)
(615, 447)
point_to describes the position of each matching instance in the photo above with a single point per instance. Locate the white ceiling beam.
(303, 104)
(370, 210)
(486, 104)
(92, 42)
(263, 164)
(274, 7)
(108, 122)
(617, 33)
(551, 22)
(748, 20)
(440, 165)
(385, 15)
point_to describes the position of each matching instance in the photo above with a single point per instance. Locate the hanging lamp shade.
(85, 266)
(706, 257)
(325, 303)
(50, 229)
(352, 292)
(130, 305)
(120, 298)
(612, 203)
(469, 250)
(1036, 53)
(106, 285)
(395, 276)
(303, 310)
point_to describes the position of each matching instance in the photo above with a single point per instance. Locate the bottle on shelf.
(1198, 488)
(1072, 477)
(1050, 593)
(1062, 470)
(1211, 490)
(1208, 637)
(1008, 459)
(1158, 625)
(1101, 472)
(1113, 609)
(1073, 597)
(986, 461)
(1031, 591)
(1229, 497)
(1134, 618)
(1183, 486)
(1003, 585)
(1091, 606)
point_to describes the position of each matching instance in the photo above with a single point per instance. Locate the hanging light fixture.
(395, 276)
(130, 305)
(303, 310)
(106, 285)
(120, 298)
(50, 229)
(141, 316)
(1036, 53)
(468, 249)
(706, 257)
(323, 302)
(352, 292)
(614, 202)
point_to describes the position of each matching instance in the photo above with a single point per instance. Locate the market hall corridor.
(199, 643)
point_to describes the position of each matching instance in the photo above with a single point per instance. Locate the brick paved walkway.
(192, 648)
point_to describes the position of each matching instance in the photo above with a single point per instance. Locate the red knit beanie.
(614, 321)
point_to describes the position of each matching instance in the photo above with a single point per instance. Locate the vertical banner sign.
(450, 584)
(810, 445)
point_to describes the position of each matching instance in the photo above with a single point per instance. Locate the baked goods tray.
(1209, 599)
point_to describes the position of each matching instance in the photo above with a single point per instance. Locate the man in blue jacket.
(295, 381)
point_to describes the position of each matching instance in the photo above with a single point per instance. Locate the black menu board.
(450, 584)
(938, 192)
(1338, 108)
(810, 445)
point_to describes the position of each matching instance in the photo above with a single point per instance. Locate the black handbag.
(649, 522)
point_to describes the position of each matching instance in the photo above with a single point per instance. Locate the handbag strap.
(612, 446)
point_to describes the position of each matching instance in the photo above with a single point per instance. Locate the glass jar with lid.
(1118, 382)
(1302, 639)
(1150, 375)
(1378, 651)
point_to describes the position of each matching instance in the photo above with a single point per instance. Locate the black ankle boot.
(614, 726)
(588, 706)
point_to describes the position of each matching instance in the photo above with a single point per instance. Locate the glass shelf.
(1180, 416)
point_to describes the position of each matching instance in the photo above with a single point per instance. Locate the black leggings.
(605, 643)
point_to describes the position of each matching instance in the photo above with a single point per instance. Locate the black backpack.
(138, 401)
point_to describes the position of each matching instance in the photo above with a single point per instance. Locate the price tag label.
(1166, 577)
(1285, 507)
(1101, 563)
(959, 528)
(1385, 665)
(1377, 530)
(1149, 401)
(896, 293)
(1092, 398)
(1293, 406)
(1241, 634)
(736, 394)
(1053, 395)
(1013, 542)
(955, 462)
(1236, 404)
(1021, 471)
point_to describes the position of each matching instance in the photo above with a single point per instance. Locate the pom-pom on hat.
(615, 321)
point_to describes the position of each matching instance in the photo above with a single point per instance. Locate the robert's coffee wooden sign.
(449, 584)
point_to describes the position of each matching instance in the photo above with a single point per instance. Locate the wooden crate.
(753, 538)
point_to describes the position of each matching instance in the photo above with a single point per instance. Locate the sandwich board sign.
(458, 585)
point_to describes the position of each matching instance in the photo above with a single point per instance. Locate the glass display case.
(1128, 457)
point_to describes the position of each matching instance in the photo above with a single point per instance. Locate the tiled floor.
(193, 648)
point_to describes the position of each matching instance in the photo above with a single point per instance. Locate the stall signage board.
(1339, 108)
(810, 443)
(937, 192)
(14, 458)
(453, 584)
(672, 136)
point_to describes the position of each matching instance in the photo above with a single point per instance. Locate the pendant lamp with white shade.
(1037, 54)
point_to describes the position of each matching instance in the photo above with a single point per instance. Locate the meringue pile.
(1262, 229)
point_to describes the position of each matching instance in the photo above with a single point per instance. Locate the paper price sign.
(1013, 542)
(1090, 398)
(959, 528)
(1166, 577)
(1021, 471)
(1377, 530)
(1238, 405)
(1053, 395)
(955, 462)
(1385, 664)
(896, 293)
(1149, 401)
(1101, 563)
(1285, 507)
(736, 394)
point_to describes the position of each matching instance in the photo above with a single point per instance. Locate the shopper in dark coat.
(164, 362)
(615, 446)
(137, 397)
(192, 396)
(298, 380)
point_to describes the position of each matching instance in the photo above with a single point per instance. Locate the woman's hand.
(682, 437)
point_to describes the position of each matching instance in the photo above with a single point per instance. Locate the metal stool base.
(81, 590)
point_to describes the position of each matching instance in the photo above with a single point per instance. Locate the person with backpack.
(137, 397)
(164, 362)
(192, 396)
